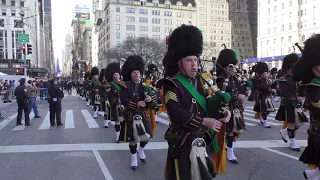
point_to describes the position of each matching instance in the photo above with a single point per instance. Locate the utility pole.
(24, 44)
(36, 24)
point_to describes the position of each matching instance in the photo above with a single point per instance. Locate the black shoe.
(60, 124)
(37, 117)
(143, 160)
(133, 167)
(27, 124)
(233, 161)
(53, 124)
(19, 124)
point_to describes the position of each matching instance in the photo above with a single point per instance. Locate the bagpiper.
(95, 96)
(233, 83)
(86, 87)
(188, 135)
(264, 104)
(115, 108)
(136, 99)
(103, 89)
(307, 70)
(152, 77)
(291, 102)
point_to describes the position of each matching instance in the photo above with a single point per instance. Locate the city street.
(83, 149)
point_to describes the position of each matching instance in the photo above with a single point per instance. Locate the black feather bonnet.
(101, 74)
(261, 67)
(289, 61)
(184, 41)
(132, 63)
(226, 57)
(87, 75)
(94, 71)
(111, 69)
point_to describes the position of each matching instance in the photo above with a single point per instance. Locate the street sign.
(23, 38)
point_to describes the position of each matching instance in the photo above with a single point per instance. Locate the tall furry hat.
(132, 63)
(310, 58)
(94, 71)
(226, 57)
(274, 70)
(184, 41)
(101, 74)
(110, 70)
(150, 69)
(261, 67)
(289, 61)
(87, 75)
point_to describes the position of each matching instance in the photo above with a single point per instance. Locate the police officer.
(23, 102)
(55, 96)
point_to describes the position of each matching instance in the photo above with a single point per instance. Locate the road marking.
(257, 120)
(46, 122)
(69, 122)
(124, 146)
(252, 113)
(103, 166)
(22, 127)
(163, 121)
(90, 121)
(281, 153)
(251, 107)
(8, 120)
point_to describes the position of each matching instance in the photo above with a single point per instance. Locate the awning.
(266, 59)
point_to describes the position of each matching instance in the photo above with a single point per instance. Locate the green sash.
(116, 85)
(316, 81)
(193, 91)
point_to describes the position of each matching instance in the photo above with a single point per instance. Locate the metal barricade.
(6, 97)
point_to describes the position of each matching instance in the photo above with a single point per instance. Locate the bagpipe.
(139, 130)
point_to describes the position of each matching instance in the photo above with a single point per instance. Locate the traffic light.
(29, 48)
(20, 71)
(24, 49)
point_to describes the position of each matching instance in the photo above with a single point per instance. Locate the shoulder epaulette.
(163, 81)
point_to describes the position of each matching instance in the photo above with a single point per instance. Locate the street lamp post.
(25, 54)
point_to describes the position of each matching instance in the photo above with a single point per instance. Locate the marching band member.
(264, 103)
(307, 70)
(235, 86)
(291, 97)
(151, 81)
(86, 87)
(115, 110)
(188, 135)
(95, 85)
(103, 89)
(136, 98)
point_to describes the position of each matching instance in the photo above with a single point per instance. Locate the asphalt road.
(83, 149)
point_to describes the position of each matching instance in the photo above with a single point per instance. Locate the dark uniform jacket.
(55, 92)
(21, 93)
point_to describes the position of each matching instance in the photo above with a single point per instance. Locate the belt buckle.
(193, 101)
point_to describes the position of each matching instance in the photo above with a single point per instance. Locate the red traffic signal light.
(20, 71)
(167, 39)
(24, 49)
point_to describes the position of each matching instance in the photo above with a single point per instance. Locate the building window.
(130, 19)
(117, 9)
(118, 35)
(289, 38)
(167, 13)
(290, 3)
(155, 12)
(118, 26)
(130, 28)
(21, 3)
(143, 20)
(117, 1)
(13, 12)
(118, 44)
(282, 28)
(155, 4)
(143, 11)
(143, 3)
(129, 1)
(130, 10)
(290, 26)
(168, 6)
(155, 21)
(143, 28)
(4, 12)
(13, 3)
(4, 2)
(117, 18)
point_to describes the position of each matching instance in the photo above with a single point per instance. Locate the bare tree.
(152, 50)
(206, 57)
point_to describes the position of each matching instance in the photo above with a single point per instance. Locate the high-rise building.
(49, 55)
(67, 64)
(97, 18)
(283, 23)
(87, 46)
(243, 16)
(213, 20)
(128, 19)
